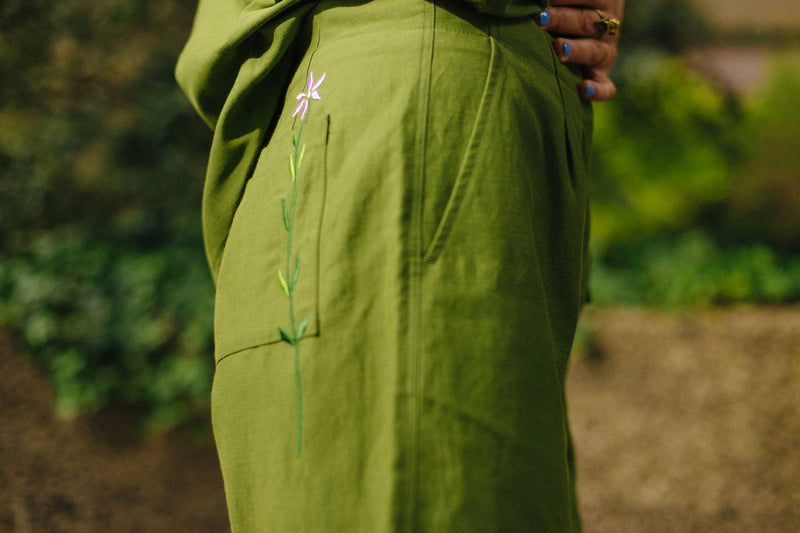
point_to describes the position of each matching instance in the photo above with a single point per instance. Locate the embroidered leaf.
(292, 170)
(300, 155)
(285, 215)
(285, 336)
(284, 285)
(296, 271)
(294, 141)
(302, 329)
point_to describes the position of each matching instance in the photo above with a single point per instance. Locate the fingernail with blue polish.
(589, 92)
(567, 49)
(544, 18)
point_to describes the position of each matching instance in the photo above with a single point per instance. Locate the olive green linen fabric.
(440, 225)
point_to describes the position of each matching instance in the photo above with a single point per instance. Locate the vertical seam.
(583, 293)
(553, 354)
(556, 64)
(570, 501)
(583, 287)
(409, 367)
(414, 379)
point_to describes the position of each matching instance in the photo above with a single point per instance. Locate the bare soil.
(689, 421)
(96, 475)
(683, 421)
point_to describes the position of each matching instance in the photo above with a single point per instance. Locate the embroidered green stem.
(288, 285)
(289, 281)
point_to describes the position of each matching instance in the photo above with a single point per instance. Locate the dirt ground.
(95, 476)
(683, 421)
(689, 421)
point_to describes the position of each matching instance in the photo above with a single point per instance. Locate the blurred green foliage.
(667, 26)
(696, 192)
(663, 152)
(693, 269)
(113, 322)
(102, 273)
(764, 199)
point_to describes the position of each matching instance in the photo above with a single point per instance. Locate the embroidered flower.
(294, 334)
(309, 94)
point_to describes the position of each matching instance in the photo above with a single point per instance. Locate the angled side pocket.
(465, 168)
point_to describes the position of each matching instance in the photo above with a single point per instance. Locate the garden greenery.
(696, 195)
(102, 272)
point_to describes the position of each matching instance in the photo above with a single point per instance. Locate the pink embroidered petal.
(310, 94)
(315, 86)
(302, 106)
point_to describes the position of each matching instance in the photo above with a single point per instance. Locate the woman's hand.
(574, 24)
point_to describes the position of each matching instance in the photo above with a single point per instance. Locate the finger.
(601, 89)
(588, 52)
(569, 21)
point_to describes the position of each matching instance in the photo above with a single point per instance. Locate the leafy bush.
(663, 152)
(696, 197)
(691, 270)
(666, 25)
(112, 323)
(102, 272)
(763, 203)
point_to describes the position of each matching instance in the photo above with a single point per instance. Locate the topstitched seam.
(329, 42)
(415, 379)
(545, 302)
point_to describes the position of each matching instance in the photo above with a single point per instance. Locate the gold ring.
(606, 25)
